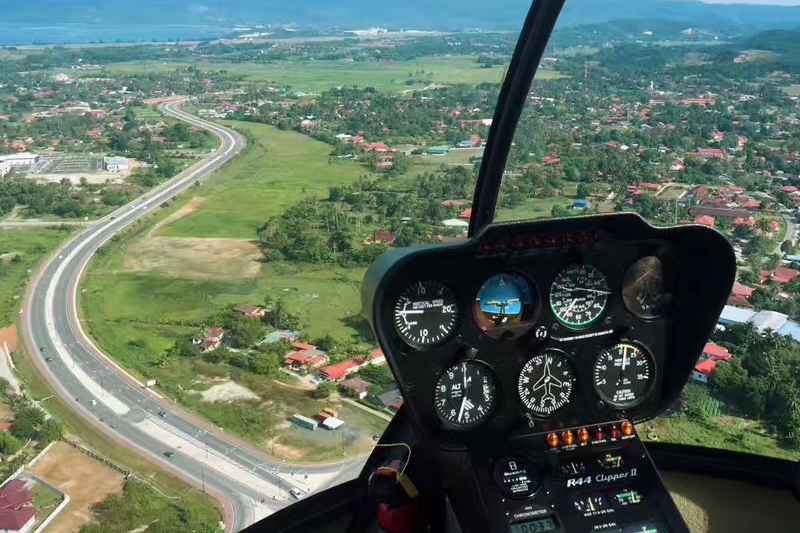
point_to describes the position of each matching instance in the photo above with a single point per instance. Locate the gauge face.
(517, 477)
(426, 313)
(623, 374)
(506, 305)
(643, 288)
(579, 295)
(591, 504)
(546, 382)
(465, 394)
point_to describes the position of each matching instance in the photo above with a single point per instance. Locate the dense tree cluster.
(333, 230)
(763, 379)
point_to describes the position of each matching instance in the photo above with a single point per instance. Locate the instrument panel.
(547, 324)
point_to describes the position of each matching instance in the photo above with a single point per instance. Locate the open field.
(671, 192)
(20, 251)
(195, 258)
(44, 499)
(273, 172)
(726, 432)
(792, 90)
(86, 480)
(542, 207)
(316, 76)
(456, 156)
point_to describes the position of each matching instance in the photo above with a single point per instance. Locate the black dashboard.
(541, 344)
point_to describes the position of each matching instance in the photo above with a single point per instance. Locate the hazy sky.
(759, 2)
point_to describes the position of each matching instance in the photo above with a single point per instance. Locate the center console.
(590, 478)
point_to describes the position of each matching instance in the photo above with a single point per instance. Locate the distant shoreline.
(216, 40)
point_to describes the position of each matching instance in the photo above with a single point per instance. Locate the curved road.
(115, 402)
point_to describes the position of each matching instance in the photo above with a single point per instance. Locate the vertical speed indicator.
(425, 313)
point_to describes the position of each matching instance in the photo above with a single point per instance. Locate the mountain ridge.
(416, 14)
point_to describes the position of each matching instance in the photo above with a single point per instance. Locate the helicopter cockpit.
(528, 357)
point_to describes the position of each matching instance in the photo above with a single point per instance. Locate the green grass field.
(275, 170)
(29, 246)
(792, 90)
(45, 500)
(725, 432)
(671, 193)
(136, 329)
(316, 76)
(541, 207)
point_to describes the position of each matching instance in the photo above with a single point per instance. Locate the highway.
(248, 482)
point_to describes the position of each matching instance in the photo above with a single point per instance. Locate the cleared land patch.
(85, 480)
(195, 257)
(228, 391)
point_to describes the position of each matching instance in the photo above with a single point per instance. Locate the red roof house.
(16, 510)
(789, 188)
(716, 352)
(385, 236)
(706, 366)
(341, 369)
(740, 289)
(705, 220)
(466, 213)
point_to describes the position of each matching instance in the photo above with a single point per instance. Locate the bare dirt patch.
(9, 335)
(190, 207)
(228, 391)
(85, 480)
(283, 451)
(190, 257)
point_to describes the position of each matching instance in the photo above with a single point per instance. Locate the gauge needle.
(411, 312)
(464, 397)
(624, 358)
(568, 309)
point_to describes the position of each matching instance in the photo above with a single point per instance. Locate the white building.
(4, 168)
(117, 164)
(21, 159)
(455, 223)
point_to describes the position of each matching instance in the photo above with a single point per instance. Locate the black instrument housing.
(699, 269)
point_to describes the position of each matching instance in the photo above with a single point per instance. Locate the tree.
(280, 316)
(9, 444)
(772, 262)
(787, 247)
(246, 331)
(377, 374)
(559, 211)
(323, 390)
(185, 348)
(694, 401)
(51, 430)
(22, 428)
(583, 191)
(266, 363)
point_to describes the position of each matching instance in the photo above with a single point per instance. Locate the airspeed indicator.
(425, 314)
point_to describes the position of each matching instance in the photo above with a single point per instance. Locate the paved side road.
(251, 484)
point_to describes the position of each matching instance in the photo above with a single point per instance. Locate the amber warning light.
(627, 428)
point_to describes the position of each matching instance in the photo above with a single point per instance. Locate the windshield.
(189, 199)
(685, 122)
